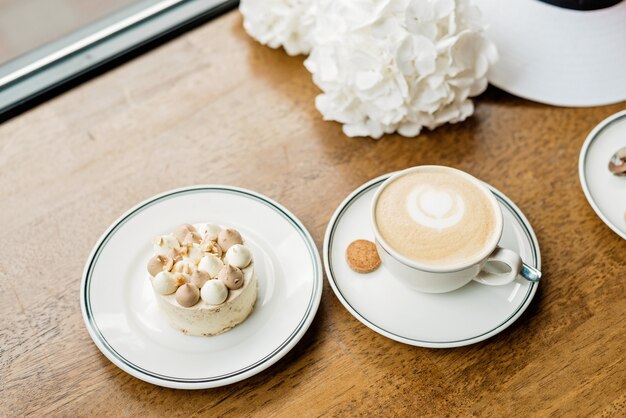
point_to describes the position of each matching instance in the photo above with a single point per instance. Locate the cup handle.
(501, 255)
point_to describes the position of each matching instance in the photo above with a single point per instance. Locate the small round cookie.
(362, 256)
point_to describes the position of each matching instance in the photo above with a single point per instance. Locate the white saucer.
(122, 317)
(466, 316)
(605, 191)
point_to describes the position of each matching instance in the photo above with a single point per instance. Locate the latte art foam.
(432, 208)
(436, 216)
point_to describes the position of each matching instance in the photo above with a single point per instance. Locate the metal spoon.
(617, 164)
(530, 273)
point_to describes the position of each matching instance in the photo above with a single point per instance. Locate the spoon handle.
(530, 273)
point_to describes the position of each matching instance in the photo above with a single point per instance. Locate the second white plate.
(605, 191)
(468, 315)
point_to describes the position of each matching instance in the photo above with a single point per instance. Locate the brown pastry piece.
(362, 256)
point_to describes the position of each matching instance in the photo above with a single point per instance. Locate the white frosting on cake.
(205, 319)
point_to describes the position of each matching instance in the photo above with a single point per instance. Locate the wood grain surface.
(214, 106)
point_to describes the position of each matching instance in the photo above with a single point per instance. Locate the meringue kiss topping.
(214, 292)
(165, 283)
(187, 295)
(159, 263)
(228, 237)
(194, 253)
(238, 255)
(231, 276)
(212, 247)
(166, 245)
(199, 278)
(187, 234)
(211, 264)
(203, 262)
(210, 231)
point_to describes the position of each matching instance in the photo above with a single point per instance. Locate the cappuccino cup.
(437, 228)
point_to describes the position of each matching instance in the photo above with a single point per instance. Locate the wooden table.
(214, 106)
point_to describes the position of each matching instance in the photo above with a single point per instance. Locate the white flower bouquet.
(383, 65)
(280, 23)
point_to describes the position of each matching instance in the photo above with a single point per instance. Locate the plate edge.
(315, 297)
(356, 315)
(582, 157)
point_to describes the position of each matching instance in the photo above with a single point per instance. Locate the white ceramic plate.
(123, 319)
(605, 191)
(466, 316)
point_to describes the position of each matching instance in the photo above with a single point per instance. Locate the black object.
(582, 4)
(59, 76)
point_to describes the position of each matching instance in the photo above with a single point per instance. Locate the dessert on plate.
(203, 278)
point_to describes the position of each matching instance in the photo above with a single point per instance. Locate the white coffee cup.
(487, 269)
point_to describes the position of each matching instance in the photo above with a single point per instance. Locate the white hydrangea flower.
(280, 23)
(398, 65)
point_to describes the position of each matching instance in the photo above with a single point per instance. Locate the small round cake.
(203, 278)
